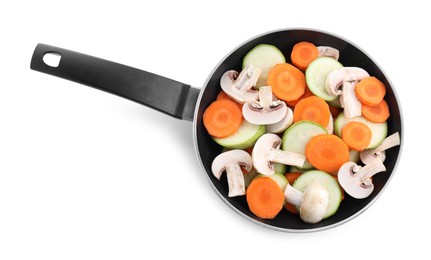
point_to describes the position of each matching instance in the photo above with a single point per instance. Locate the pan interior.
(350, 55)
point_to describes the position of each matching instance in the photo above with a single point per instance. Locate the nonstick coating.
(350, 55)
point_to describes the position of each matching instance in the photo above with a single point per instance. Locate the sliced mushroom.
(240, 87)
(346, 78)
(328, 51)
(391, 141)
(266, 110)
(356, 180)
(266, 151)
(284, 123)
(231, 162)
(313, 202)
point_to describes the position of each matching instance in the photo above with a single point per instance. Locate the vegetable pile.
(299, 136)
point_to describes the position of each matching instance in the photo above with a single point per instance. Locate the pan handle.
(168, 96)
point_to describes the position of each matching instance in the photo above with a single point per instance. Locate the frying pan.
(185, 102)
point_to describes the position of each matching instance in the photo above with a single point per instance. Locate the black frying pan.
(184, 102)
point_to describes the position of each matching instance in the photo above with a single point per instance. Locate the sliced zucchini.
(296, 137)
(328, 181)
(244, 137)
(263, 56)
(316, 74)
(296, 169)
(279, 168)
(248, 177)
(379, 131)
(354, 156)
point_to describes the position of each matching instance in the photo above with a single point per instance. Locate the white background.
(87, 175)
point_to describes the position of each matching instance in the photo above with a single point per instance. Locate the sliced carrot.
(291, 177)
(327, 152)
(223, 95)
(314, 109)
(303, 53)
(264, 197)
(307, 93)
(287, 81)
(376, 114)
(370, 91)
(222, 118)
(356, 135)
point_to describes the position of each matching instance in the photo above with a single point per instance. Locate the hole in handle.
(52, 59)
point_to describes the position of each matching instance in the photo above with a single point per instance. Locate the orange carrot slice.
(222, 118)
(370, 91)
(307, 93)
(376, 114)
(287, 81)
(303, 53)
(327, 152)
(222, 95)
(264, 197)
(356, 135)
(314, 109)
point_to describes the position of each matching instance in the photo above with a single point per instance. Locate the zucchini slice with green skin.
(379, 131)
(328, 181)
(296, 137)
(316, 74)
(243, 138)
(263, 56)
(279, 179)
(279, 168)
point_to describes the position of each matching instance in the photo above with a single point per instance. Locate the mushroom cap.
(236, 156)
(261, 150)
(352, 184)
(379, 152)
(314, 205)
(283, 124)
(328, 51)
(239, 85)
(262, 116)
(335, 79)
(370, 154)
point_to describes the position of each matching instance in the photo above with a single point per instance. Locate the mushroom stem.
(235, 180)
(265, 96)
(293, 196)
(351, 104)
(389, 142)
(286, 157)
(369, 170)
